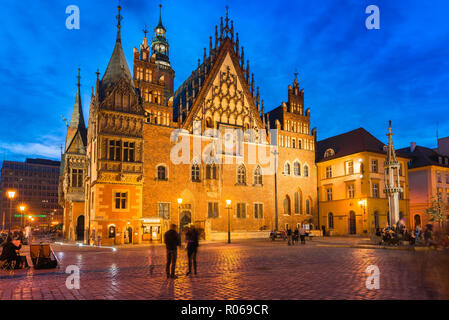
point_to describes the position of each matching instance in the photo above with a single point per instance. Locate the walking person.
(172, 241)
(302, 235)
(289, 236)
(296, 236)
(192, 248)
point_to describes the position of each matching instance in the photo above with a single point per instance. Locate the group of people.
(172, 241)
(399, 232)
(293, 237)
(10, 257)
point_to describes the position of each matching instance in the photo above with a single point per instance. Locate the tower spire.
(119, 26)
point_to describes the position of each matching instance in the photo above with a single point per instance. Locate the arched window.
(241, 174)
(297, 203)
(306, 171)
(287, 168)
(330, 220)
(308, 209)
(161, 172)
(296, 168)
(211, 171)
(329, 153)
(287, 207)
(209, 123)
(258, 175)
(195, 172)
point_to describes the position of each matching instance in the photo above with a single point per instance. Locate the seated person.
(10, 251)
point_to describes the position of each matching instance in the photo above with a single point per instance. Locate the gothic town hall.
(154, 155)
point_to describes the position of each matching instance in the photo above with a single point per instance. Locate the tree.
(438, 212)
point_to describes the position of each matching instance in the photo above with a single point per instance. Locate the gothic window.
(209, 123)
(161, 172)
(296, 168)
(241, 174)
(330, 220)
(241, 210)
(115, 150)
(77, 178)
(308, 209)
(128, 151)
(299, 144)
(287, 168)
(211, 171)
(121, 199)
(297, 203)
(306, 170)
(195, 172)
(258, 176)
(258, 210)
(212, 209)
(293, 143)
(287, 205)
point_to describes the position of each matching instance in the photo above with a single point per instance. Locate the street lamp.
(362, 203)
(11, 195)
(22, 209)
(228, 206)
(179, 213)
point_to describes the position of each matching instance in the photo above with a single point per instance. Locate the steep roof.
(422, 157)
(117, 66)
(77, 126)
(351, 142)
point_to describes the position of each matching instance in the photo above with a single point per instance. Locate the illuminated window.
(164, 210)
(349, 167)
(148, 75)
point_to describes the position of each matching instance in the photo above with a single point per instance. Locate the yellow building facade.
(351, 184)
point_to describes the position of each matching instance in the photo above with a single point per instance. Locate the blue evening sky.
(353, 77)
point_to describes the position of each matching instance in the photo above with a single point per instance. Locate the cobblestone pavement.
(242, 270)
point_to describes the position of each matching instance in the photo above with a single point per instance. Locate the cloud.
(30, 149)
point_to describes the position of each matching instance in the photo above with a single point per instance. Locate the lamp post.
(362, 203)
(11, 195)
(228, 206)
(22, 209)
(179, 213)
(275, 153)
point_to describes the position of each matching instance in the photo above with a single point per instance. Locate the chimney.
(412, 146)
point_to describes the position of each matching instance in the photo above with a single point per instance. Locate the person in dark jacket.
(10, 252)
(192, 248)
(172, 241)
